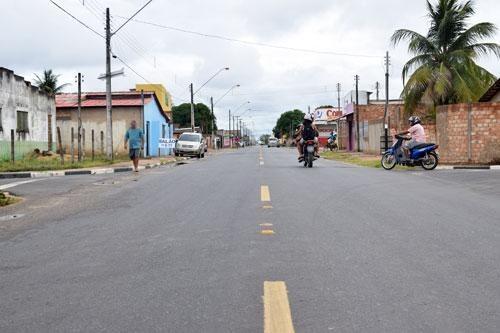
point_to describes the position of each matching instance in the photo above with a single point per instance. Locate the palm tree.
(48, 82)
(443, 69)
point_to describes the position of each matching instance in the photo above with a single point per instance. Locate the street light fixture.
(242, 105)
(194, 93)
(230, 89)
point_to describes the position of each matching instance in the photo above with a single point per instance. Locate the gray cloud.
(273, 80)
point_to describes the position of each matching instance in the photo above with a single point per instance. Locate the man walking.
(135, 136)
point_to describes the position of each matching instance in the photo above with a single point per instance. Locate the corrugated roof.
(98, 99)
(494, 89)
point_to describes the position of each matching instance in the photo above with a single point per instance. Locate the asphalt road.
(181, 249)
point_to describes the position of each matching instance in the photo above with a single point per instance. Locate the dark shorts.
(134, 153)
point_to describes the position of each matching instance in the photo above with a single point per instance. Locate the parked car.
(190, 144)
(273, 142)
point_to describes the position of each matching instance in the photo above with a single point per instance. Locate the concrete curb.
(78, 172)
(468, 167)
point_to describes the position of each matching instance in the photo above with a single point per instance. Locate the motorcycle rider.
(308, 131)
(333, 137)
(417, 133)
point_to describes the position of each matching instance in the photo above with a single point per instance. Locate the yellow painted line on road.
(277, 314)
(266, 224)
(265, 196)
(267, 232)
(267, 207)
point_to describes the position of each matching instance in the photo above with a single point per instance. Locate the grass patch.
(46, 163)
(7, 199)
(353, 158)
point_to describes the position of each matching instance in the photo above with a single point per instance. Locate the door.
(147, 139)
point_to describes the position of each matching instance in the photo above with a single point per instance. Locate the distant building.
(363, 97)
(28, 111)
(127, 106)
(162, 94)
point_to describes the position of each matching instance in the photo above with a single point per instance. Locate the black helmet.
(414, 120)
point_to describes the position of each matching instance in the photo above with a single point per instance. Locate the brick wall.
(398, 122)
(453, 129)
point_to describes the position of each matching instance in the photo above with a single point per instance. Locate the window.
(22, 122)
(163, 131)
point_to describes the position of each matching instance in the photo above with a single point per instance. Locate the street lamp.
(242, 105)
(230, 89)
(194, 93)
(212, 104)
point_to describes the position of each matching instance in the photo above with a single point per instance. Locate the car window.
(190, 137)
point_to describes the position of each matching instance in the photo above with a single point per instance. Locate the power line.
(230, 39)
(76, 19)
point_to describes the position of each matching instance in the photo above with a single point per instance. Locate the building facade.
(143, 107)
(28, 111)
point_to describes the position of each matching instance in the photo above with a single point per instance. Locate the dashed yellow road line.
(267, 232)
(267, 207)
(277, 314)
(265, 196)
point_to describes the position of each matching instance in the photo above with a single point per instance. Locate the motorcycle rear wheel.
(388, 161)
(431, 162)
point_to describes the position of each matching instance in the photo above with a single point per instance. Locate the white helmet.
(308, 116)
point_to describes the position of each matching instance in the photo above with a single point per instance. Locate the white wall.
(18, 95)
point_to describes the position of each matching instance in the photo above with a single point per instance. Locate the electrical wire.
(76, 19)
(268, 45)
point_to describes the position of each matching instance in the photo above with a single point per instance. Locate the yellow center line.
(277, 314)
(264, 193)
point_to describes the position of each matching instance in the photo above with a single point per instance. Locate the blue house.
(156, 125)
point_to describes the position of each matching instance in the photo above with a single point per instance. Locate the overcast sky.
(37, 35)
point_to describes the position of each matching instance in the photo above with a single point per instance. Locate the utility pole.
(229, 132)
(232, 135)
(339, 87)
(386, 108)
(357, 112)
(109, 112)
(79, 117)
(213, 121)
(192, 106)
(377, 89)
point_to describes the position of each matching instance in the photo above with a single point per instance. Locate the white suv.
(190, 144)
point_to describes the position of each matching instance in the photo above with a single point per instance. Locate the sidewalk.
(114, 168)
(370, 160)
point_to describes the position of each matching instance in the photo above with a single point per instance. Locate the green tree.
(265, 138)
(288, 120)
(443, 69)
(202, 117)
(48, 82)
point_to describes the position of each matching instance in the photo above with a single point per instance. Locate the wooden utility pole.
(192, 107)
(377, 90)
(357, 113)
(79, 79)
(386, 107)
(109, 112)
(230, 136)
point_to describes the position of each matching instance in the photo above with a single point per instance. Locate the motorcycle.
(308, 152)
(424, 155)
(332, 145)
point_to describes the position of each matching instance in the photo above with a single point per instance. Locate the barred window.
(22, 122)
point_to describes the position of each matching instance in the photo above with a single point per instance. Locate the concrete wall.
(455, 122)
(16, 94)
(95, 119)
